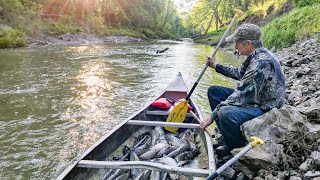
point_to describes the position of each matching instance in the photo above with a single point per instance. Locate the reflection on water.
(57, 101)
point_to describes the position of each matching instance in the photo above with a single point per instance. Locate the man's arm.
(229, 71)
(232, 72)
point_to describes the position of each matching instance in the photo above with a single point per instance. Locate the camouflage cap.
(245, 31)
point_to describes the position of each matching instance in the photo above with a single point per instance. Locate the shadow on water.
(57, 101)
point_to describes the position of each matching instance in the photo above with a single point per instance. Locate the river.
(56, 101)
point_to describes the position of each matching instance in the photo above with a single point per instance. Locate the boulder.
(239, 167)
(312, 113)
(258, 178)
(261, 157)
(228, 173)
(315, 155)
(306, 166)
(295, 178)
(270, 177)
(312, 174)
(282, 126)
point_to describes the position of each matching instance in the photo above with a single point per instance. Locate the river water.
(56, 101)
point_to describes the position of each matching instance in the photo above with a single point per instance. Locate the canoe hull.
(109, 143)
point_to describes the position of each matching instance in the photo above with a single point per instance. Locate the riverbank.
(77, 39)
(14, 38)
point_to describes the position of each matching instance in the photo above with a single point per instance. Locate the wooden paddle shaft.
(214, 53)
(197, 118)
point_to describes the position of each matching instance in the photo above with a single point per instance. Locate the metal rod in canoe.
(254, 142)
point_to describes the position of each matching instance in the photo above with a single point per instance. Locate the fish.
(144, 147)
(184, 157)
(155, 175)
(183, 177)
(173, 140)
(166, 151)
(153, 151)
(162, 137)
(194, 148)
(155, 136)
(144, 175)
(188, 135)
(171, 162)
(108, 174)
(124, 176)
(134, 157)
(117, 173)
(183, 147)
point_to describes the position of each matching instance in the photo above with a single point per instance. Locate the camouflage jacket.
(261, 81)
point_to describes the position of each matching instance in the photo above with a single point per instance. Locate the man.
(260, 88)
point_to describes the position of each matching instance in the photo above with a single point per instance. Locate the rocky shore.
(292, 133)
(76, 39)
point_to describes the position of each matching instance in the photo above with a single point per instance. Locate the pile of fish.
(160, 147)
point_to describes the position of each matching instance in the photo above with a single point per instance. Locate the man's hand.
(206, 122)
(211, 62)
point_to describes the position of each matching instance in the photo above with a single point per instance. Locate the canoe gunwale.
(143, 165)
(162, 124)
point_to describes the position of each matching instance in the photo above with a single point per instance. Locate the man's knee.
(213, 90)
(226, 115)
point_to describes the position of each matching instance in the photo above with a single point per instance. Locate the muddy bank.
(77, 39)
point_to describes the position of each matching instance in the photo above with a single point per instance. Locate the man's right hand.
(206, 122)
(211, 62)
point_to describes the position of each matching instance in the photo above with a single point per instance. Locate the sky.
(185, 5)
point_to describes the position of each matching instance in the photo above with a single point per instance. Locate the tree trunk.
(209, 25)
(246, 5)
(214, 14)
(168, 14)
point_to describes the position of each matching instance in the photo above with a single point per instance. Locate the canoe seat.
(163, 112)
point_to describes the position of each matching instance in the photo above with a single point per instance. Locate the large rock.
(282, 126)
(312, 113)
(288, 136)
(306, 166)
(262, 157)
(312, 174)
(295, 178)
(315, 155)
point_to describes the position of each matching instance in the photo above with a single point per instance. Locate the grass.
(212, 38)
(54, 28)
(10, 38)
(299, 24)
(123, 32)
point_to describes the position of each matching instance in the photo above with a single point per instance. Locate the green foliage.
(92, 16)
(212, 38)
(54, 28)
(303, 3)
(123, 32)
(284, 31)
(10, 38)
(149, 33)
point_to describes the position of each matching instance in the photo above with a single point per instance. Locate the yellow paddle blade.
(177, 115)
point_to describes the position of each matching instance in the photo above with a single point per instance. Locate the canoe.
(97, 161)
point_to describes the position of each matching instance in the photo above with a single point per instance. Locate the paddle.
(179, 112)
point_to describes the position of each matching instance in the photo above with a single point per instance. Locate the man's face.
(244, 47)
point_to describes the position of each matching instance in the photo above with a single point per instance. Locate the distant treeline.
(149, 18)
(157, 18)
